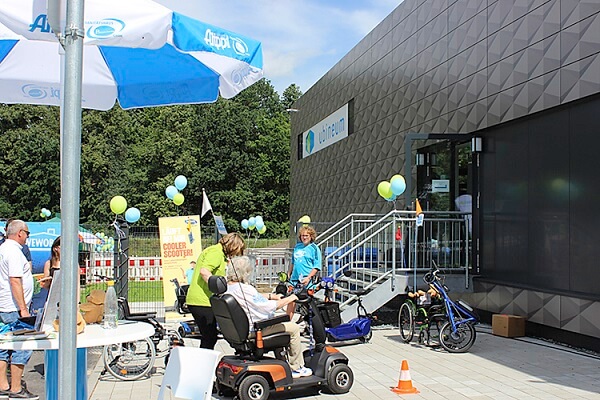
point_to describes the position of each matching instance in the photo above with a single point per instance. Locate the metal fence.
(377, 247)
(136, 263)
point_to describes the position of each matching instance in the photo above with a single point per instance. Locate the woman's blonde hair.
(239, 269)
(309, 230)
(233, 244)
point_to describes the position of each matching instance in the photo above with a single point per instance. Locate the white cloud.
(301, 40)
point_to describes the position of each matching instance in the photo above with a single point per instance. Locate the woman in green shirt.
(212, 261)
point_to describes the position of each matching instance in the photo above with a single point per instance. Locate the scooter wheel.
(181, 331)
(254, 387)
(367, 337)
(340, 379)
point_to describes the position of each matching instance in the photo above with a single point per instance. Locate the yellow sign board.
(180, 244)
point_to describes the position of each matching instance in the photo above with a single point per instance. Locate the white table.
(92, 336)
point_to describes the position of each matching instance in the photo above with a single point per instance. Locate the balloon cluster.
(105, 243)
(118, 205)
(173, 191)
(254, 223)
(45, 213)
(393, 188)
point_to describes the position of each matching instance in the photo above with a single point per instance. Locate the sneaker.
(23, 394)
(4, 394)
(301, 372)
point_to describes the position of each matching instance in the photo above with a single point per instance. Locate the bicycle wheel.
(406, 322)
(129, 361)
(459, 341)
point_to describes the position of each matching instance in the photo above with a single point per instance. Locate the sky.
(301, 39)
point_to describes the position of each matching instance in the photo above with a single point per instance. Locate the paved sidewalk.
(494, 368)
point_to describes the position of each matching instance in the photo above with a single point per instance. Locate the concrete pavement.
(494, 368)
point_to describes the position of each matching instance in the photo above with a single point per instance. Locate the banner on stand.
(180, 244)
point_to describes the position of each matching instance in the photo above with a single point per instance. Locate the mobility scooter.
(251, 375)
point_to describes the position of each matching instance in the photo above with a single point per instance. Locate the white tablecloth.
(93, 336)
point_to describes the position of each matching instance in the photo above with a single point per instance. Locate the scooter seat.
(361, 292)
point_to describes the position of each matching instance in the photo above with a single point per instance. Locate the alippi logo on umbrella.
(224, 41)
(101, 29)
(40, 92)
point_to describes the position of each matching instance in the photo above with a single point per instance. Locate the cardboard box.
(508, 325)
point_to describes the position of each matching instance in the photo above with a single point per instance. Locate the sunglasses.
(27, 232)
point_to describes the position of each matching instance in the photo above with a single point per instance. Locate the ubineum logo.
(309, 143)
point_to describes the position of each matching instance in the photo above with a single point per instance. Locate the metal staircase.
(386, 253)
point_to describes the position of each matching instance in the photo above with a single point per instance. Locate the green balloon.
(118, 204)
(262, 230)
(178, 199)
(385, 189)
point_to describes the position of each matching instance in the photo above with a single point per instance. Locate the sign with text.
(179, 245)
(440, 186)
(328, 131)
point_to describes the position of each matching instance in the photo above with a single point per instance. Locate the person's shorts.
(17, 357)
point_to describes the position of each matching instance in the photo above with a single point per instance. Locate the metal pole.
(70, 170)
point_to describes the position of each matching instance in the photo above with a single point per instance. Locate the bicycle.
(418, 311)
(132, 360)
(457, 334)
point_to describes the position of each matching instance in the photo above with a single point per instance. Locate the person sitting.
(261, 306)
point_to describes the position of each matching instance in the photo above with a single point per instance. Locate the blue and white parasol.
(136, 51)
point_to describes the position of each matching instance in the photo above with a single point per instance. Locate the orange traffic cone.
(405, 383)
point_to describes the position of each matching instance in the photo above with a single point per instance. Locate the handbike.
(457, 335)
(421, 312)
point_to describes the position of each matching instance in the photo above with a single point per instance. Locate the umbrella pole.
(70, 178)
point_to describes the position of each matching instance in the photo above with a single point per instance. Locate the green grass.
(150, 246)
(138, 291)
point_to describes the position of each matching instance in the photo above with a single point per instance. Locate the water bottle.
(111, 308)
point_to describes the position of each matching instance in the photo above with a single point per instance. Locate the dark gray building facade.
(522, 75)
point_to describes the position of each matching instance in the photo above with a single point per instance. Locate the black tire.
(129, 361)
(406, 322)
(367, 337)
(224, 391)
(340, 379)
(254, 387)
(181, 331)
(459, 341)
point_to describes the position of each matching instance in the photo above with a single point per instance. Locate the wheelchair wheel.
(406, 323)
(340, 379)
(254, 387)
(129, 361)
(459, 341)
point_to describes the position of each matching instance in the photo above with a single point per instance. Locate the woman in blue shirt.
(306, 261)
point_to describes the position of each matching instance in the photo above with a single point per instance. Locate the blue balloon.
(132, 215)
(171, 192)
(251, 222)
(259, 218)
(245, 223)
(398, 185)
(180, 182)
(259, 224)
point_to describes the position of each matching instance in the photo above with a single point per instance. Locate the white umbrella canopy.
(136, 51)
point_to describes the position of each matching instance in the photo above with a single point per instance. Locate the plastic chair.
(190, 373)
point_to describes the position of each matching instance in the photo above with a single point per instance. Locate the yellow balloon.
(178, 199)
(385, 189)
(118, 204)
(305, 219)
